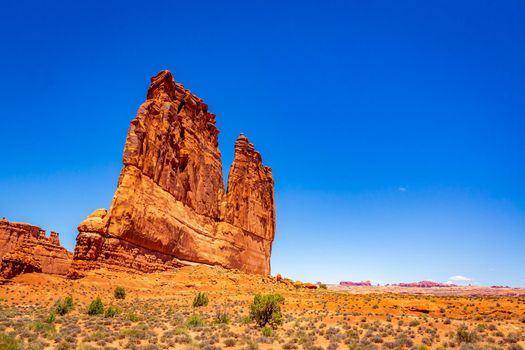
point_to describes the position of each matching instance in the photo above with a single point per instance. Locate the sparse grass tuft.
(267, 331)
(200, 299)
(195, 321)
(9, 342)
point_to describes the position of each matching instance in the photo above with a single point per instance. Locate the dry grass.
(157, 313)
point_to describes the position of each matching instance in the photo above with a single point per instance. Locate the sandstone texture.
(171, 208)
(25, 248)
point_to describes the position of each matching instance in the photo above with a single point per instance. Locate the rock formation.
(425, 284)
(355, 284)
(170, 208)
(25, 248)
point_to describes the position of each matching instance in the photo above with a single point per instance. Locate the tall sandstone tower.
(170, 208)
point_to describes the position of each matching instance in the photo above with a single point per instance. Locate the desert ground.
(158, 313)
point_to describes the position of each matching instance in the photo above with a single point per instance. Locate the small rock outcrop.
(25, 248)
(171, 208)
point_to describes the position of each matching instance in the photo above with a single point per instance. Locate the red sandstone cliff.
(25, 248)
(170, 207)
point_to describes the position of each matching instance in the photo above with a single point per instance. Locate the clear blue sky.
(395, 129)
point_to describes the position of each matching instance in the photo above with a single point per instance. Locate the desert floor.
(157, 314)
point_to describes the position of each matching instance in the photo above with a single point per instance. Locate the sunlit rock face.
(25, 248)
(170, 208)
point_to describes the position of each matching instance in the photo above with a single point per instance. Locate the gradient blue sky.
(395, 129)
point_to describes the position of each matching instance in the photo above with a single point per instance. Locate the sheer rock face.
(170, 208)
(25, 248)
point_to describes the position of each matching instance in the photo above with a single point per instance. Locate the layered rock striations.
(25, 248)
(170, 207)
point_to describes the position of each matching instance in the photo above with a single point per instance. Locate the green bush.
(62, 307)
(266, 309)
(200, 300)
(111, 311)
(133, 317)
(267, 331)
(195, 321)
(120, 293)
(96, 307)
(51, 318)
(322, 286)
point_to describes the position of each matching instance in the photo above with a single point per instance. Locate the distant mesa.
(170, 208)
(425, 284)
(25, 248)
(355, 284)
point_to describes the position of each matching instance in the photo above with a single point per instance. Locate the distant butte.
(170, 208)
(355, 284)
(425, 284)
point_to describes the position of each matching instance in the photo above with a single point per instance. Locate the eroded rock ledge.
(25, 248)
(170, 208)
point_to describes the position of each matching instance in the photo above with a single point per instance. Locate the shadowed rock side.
(170, 208)
(25, 248)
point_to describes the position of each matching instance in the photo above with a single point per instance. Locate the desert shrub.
(464, 335)
(512, 338)
(96, 307)
(322, 286)
(515, 346)
(266, 309)
(46, 329)
(62, 307)
(267, 331)
(230, 342)
(413, 323)
(403, 341)
(120, 293)
(51, 318)
(522, 319)
(111, 311)
(9, 342)
(221, 316)
(200, 299)
(195, 321)
(133, 317)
